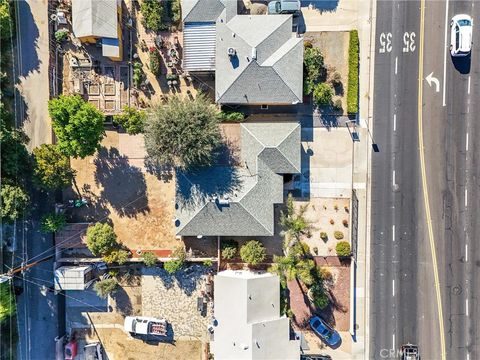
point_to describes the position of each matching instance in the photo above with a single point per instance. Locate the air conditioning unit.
(231, 51)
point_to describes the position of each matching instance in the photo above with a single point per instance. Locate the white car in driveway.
(461, 28)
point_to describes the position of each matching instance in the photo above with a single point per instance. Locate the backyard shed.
(73, 277)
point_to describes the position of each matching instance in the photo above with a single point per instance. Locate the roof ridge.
(285, 138)
(244, 208)
(281, 78)
(289, 50)
(233, 82)
(275, 29)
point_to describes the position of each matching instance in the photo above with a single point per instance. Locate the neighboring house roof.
(254, 329)
(199, 46)
(97, 18)
(268, 65)
(72, 236)
(207, 10)
(72, 277)
(239, 201)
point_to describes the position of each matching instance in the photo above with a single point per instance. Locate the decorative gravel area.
(174, 297)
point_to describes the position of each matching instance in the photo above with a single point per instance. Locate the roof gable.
(96, 18)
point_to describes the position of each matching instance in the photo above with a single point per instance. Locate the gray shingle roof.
(268, 150)
(206, 10)
(95, 18)
(274, 77)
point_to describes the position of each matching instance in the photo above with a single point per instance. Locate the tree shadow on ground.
(163, 173)
(122, 301)
(124, 186)
(187, 279)
(321, 5)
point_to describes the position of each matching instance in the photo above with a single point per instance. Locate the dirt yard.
(122, 190)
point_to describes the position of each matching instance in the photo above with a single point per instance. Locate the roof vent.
(231, 51)
(254, 53)
(223, 201)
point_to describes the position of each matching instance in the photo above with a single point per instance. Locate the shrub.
(337, 104)
(172, 266)
(307, 44)
(345, 222)
(229, 249)
(155, 61)
(343, 249)
(323, 94)
(152, 12)
(208, 263)
(179, 253)
(116, 256)
(176, 12)
(353, 68)
(101, 239)
(312, 68)
(253, 252)
(61, 35)
(131, 119)
(137, 74)
(232, 116)
(105, 287)
(332, 222)
(149, 258)
(319, 296)
(315, 250)
(5, 20)
(336, 78)
(53, 222)
(323, 236)
(335, 207)
(325, 275)
(338, 235)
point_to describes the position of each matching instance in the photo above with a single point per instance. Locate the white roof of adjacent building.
(94, 18)
(72, 277)
(199, 46)
(247, 310)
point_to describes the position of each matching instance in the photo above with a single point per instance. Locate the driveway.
(32, 70)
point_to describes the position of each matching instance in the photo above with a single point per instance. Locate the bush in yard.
(77, 124)
(183, 133)
(101, 239)
(137, 74)
(232, 116)
(7, 302)
(172, 266)
(105, 287)
(14, 202)
(176, 12)
(337, 104)
(149, 258)
(208, 263)
(152, 12)
(253, 252)
(131, 120)
(343, 249)
(312, 67)
(353, 68)
(51, 168)
(336, 78)
(53, 222)
(61, 35)
(116, 256)
(323, 236)
(229, 249)
(155, 61)
(318, 295)
(338, 235)
(322, 94)
(5, 20)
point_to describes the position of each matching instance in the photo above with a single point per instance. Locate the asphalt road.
(403, 304)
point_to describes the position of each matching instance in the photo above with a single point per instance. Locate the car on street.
(461, 29)
(284, 7)
(326, 333)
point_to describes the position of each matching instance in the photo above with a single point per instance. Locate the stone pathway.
(174, 297)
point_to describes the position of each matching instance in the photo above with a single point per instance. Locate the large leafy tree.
(183, 133)
(78, 125)
(51, 167)
(7, 302)
(152, 12)
(14, 202)
(5, 19)
(101, 239)
(15, 160)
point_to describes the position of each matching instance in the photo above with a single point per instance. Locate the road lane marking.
(393, 179)
(445, 54)
(466, 307)
(424, 174)
(393, 341)
(393, 287)
(393, 233)
(466, 252)
(394, 122)
(396, 64)
(466, 143)
(468, 85)
(466, 197)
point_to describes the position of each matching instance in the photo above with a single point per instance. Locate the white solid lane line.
(466, 252)
(396, 65)
(393, 341)
(393, 178)
(393, 287)
(394, 122)
(445, 54)
(393, 233)
(466, 197)
(468, 85)
(466, 307)
(466, 143)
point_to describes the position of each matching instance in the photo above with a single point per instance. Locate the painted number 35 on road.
(386, 41)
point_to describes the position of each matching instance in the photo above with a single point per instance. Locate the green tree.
(15, 160)
(343, 249)
(149, 258)
(131, 119)
(118, 256)
(253, 252)
(7, 302)
(77, 124)
(312, 67)
(183, 132)
(293, 222)
(152, 12)
(105, 287)
(53, 222)
(229, 249)
(14, 202)
(101, 239)
(5, 19)
(323, 94)
(319, 296)
(295, 265)
(172, 266)
(51, 167)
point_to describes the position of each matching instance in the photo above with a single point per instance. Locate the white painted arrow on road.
(430, 78)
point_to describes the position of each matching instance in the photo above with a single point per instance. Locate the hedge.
(353, 67)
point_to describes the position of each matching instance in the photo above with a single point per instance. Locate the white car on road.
(461, 35)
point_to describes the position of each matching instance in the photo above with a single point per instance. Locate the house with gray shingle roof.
(239, 200)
